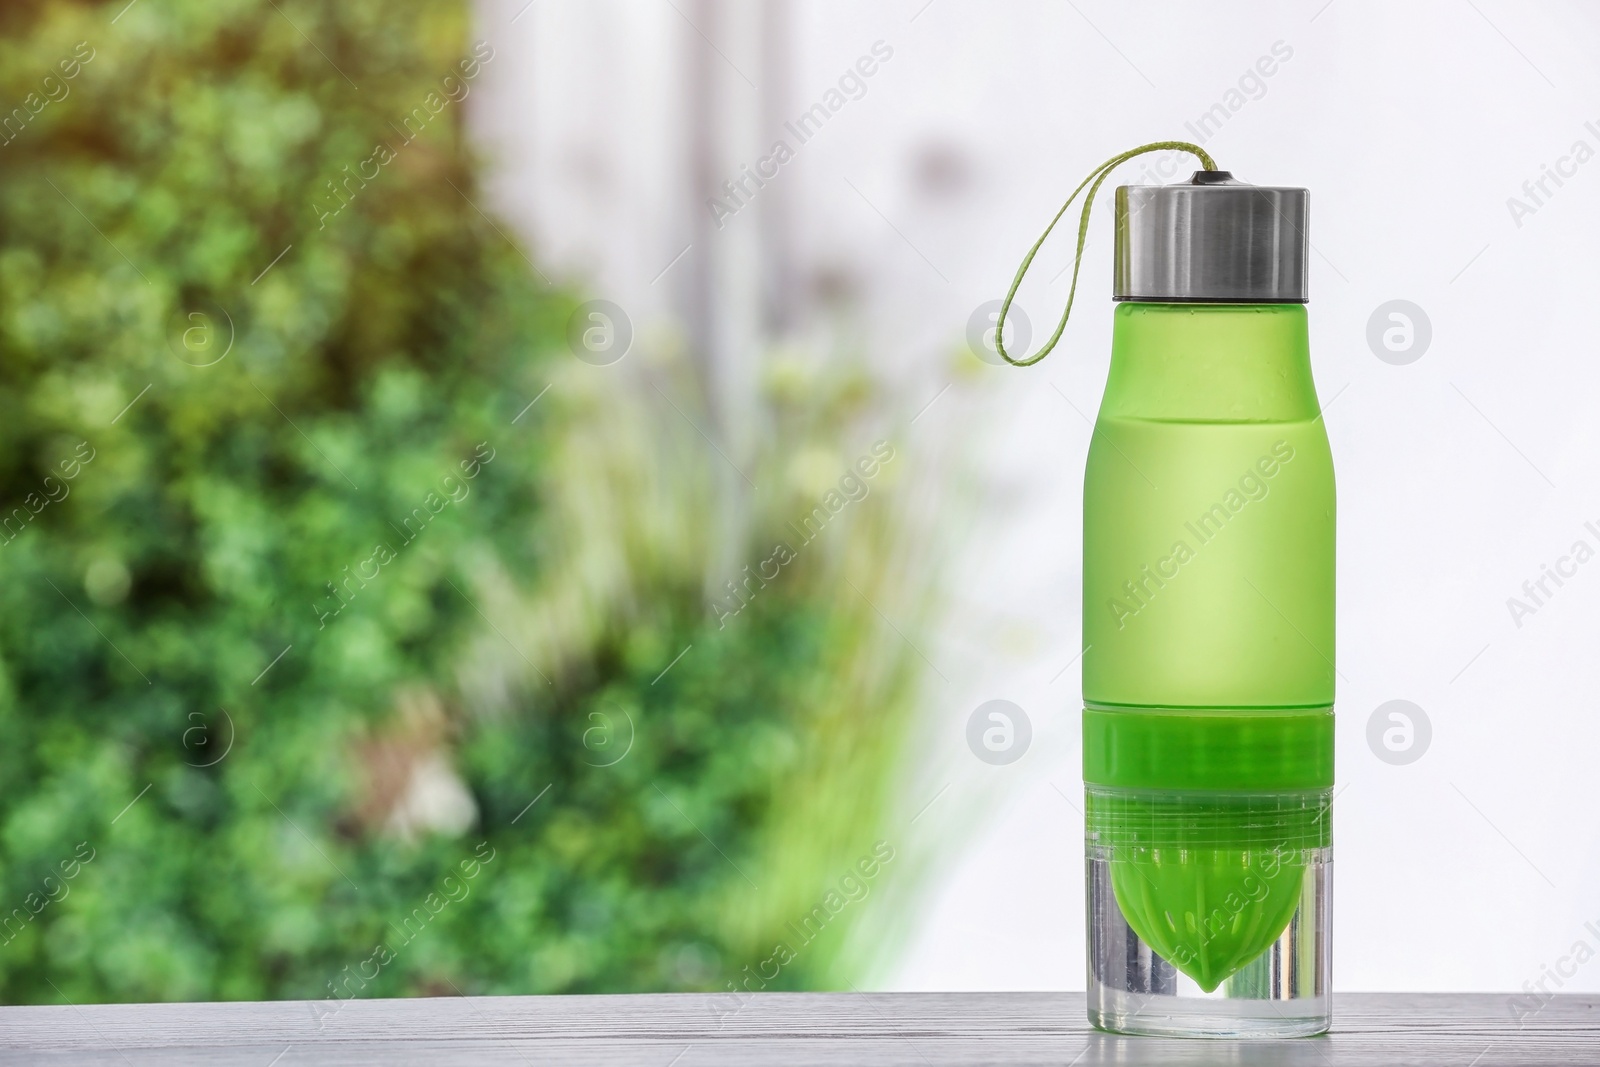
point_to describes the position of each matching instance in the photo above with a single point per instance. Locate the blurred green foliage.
(178, 698)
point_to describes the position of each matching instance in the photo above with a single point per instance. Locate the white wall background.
(1478, 865)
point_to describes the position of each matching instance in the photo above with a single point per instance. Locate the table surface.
(769, 1029)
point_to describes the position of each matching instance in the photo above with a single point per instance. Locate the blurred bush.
(303, 607)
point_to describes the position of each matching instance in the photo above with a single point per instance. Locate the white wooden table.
(690, 1030)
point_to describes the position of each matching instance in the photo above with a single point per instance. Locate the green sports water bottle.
(1208, 625)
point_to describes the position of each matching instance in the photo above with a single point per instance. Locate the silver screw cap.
(1211, 240)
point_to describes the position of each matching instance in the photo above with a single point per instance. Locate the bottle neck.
(1210, 363)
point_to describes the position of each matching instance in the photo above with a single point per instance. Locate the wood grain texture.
(771, 1029)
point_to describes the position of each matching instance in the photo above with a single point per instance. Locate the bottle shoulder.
(1211, 363)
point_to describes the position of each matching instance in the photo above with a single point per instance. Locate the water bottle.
(1208, 625)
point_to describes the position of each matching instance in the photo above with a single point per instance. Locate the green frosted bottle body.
(1208, 672)
(1208, 572)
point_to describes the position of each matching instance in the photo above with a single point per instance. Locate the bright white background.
(1460, 475)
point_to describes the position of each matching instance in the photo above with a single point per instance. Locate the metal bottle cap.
(1211, 239)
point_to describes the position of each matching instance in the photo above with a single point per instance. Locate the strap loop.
(1096, 177)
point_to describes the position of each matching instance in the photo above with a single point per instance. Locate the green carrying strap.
(1095, 179)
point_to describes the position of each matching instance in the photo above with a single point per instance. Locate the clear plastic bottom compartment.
(1209, 911)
